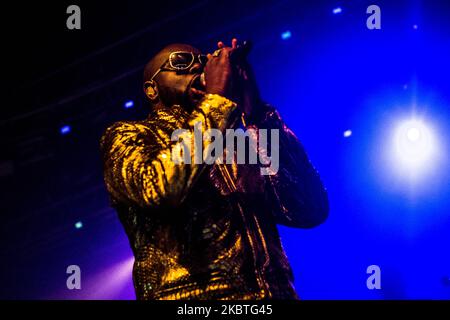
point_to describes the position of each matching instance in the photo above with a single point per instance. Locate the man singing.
(207, 231)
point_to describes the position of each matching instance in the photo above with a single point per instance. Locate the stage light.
(347, 133)
(413, 134)
(286, 35)
(65, 130)
(110, 283)
(129, 104)
(415, 27)
(337, 10)
(79, 225)
(414, 147)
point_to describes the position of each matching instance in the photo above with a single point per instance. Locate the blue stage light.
(414, 147)
(286, 35)
(415, 27)
(337, 10)
(65, 129)
(79, 225)
(129, 104)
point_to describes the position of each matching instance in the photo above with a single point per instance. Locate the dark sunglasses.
(181, 60)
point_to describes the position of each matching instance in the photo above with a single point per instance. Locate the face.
(176, 86)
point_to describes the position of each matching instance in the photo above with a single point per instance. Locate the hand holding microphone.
(243, 83)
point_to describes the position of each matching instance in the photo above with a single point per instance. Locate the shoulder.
(127, 127)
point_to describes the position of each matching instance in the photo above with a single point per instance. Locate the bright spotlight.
(413, 134)
(286, 35)
(414, 146)
(64, 130)
(129, 104)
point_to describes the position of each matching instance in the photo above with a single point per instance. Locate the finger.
(234, 43)
(220, 44)
(209, 56)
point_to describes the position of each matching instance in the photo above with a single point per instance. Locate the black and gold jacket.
(208, 231)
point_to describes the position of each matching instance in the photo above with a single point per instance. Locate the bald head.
(162, 56)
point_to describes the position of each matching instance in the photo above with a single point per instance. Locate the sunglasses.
(181, 60)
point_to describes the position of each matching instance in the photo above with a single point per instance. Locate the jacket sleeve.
(137, 156)
(295, 191)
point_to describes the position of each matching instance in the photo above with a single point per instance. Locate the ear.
(151, 90)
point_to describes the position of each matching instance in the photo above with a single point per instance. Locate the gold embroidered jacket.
(207, 231)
